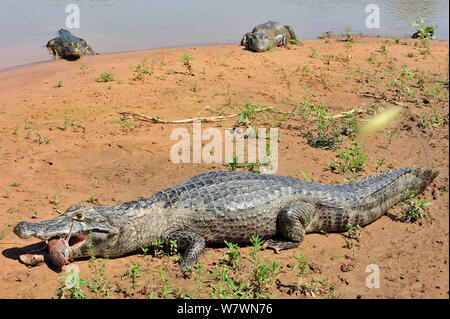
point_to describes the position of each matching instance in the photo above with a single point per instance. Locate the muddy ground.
(63, 140)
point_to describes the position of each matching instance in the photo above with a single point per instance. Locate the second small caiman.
(228, 205)
(68, 46)
(268, 35)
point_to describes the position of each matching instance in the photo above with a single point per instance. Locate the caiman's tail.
(423, 178)
(414, 179)
(374, 196)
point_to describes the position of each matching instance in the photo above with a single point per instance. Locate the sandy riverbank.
(63, 141)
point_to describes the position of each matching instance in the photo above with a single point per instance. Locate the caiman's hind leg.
(193, 243)
(291, 223)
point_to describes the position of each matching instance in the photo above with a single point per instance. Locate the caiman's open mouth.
(74, 240)
(56, 247)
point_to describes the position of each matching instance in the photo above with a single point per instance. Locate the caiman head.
(73, 51)
(90, 231)
(259, 42)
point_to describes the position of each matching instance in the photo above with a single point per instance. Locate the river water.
(123, 25)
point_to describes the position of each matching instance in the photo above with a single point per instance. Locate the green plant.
(250, 112)
(60, 84)
(187, 63)
(295, 41)
(15, 184)
(380, 163)
(261, 274)
(105, 77)
(326, 135)
(352, 160)
(72, 284)
(348, 33)
(234, 256)
(199, 276)
(42, 140)
(422, 31)
(101, 283)
(353, 231)
(158, 247)
(233, 164)
(319, 287)
(329, 57)
(166, 287)
(413, 209)
(91, 199)
(224, 286)
(434, 120)
(173, 247)
(302, 266)
(309, 179)
(142, 69)
(133, 273)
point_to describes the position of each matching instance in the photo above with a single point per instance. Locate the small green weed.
(72, 284)
(423, 32)
(295, 41)
(187, 63)
(142, 69)
(262, 275)
(105, 77)
(352, 160)
(234, 256)
(133, 273)
(413, 209)
(42, 140)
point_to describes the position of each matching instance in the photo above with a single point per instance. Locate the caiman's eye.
(78, 216)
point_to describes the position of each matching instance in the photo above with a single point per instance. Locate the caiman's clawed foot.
(278, 245)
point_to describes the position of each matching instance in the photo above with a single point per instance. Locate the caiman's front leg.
(281, 40)
(193, 243)
(91, 51)
(292, 221)
(51, 44)
(285, 43)
(291, 31)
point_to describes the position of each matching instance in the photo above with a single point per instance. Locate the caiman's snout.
(44, 230)
(258, 44)
(23, 230)
(73, 55)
